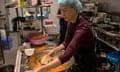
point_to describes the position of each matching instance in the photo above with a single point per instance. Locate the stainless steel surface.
(111, 39)
(22, 60)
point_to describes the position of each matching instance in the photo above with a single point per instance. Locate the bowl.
(29, 52)
(38, 39)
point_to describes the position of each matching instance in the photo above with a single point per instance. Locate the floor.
(10, 54)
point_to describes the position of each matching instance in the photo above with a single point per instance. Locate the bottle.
(23, 3)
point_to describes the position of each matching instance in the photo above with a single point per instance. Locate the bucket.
(115, 58)
(5, 43)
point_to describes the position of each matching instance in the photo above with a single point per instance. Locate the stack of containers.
(50, 28)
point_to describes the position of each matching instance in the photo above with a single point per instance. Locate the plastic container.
(51, 29)
(38, 41)
(29, 51)
(5, 43)
(3, 33)
(48, 22)
(23, 3)
(115, 58)
(45, 15)
(48, 2)
(34, 2)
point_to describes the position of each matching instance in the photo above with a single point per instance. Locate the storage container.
(51, 29)
(6, 44)
(3, 33)
(38, 39)
(115, 58)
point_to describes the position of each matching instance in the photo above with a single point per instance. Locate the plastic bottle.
(23, 3)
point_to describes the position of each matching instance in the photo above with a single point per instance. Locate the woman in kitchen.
(78, 42)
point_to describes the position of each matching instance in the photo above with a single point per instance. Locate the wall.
(2, 9)
(2, 5)
(10, 12)
(113, 5)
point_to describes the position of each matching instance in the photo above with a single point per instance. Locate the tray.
(34, 63)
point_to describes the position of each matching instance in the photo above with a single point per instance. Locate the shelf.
(10, 5)
(38, 9)
(112, 46)
(98, 34)
(107, 32)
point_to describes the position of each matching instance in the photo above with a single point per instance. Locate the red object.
(49, 2)
(48, 22)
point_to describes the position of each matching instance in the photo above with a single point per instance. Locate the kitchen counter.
(22, 60)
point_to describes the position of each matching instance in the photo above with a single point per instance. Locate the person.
(63, 27)
(78, 42)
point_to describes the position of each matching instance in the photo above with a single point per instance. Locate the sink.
(7, 68)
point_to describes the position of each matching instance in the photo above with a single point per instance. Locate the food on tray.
(42, 48)
(39, 36)
(45, 60)
(38, 59)
(34, 63)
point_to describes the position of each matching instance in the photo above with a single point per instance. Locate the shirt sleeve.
(76, 42)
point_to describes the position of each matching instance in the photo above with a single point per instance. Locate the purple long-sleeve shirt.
(82, 38)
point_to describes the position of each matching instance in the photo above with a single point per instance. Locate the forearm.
(58, 48)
